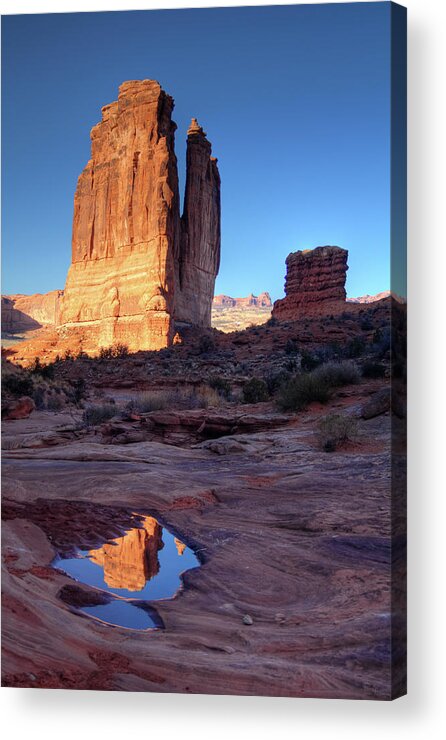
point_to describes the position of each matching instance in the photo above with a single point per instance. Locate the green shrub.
(309, 362)
(255, 390)
(221, 385)
(205, 345)
(97, 414)
(334, 430)
(290, 347)
(45, 371)
(17, 384)
(300, 390)
(373, 370)
(336, 374)
(275, 378)
(355, 347)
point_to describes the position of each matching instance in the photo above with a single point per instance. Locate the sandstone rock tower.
(137, 267)
(314, 283)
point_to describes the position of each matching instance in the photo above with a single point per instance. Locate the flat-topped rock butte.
(137, 267)
(314, 283)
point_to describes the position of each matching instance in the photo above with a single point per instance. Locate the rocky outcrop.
(19, 408)
(136, 266)
(251, 301)
(22, 313)
(130, 561)
(314, 283)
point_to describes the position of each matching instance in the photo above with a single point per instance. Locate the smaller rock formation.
(314, 283)
(19, 408)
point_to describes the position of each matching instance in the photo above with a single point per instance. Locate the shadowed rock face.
(135, 264)
(314, 283)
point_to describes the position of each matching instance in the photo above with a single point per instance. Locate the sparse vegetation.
(373, 370)
(300, 390)
(336, 374)
(309, 362)
(255, 391)
(275, 379)
(206, 345)
(221, 385)
(355, 347)
(97, 414)
(335, 430)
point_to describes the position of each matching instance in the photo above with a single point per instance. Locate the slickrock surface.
(135, 263)
(314, 283)
(297, 539)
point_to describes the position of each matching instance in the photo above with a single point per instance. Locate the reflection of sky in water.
(122, 614)
(144, 564)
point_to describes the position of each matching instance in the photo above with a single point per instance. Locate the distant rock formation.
(314, 283)
(370, 298)
(137, 267)
(251, 301)
(21, 313)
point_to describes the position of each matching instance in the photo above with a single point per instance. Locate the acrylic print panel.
(203, 411)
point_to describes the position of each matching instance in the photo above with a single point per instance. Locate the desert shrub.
(336, 374)
(106, 353)
(97, 414)
(221, 385)
(17, 384)
(39, 397)
(79, 390)
(290, 347)
(271, 322)
(206, 344)
(355, 347)
(300, 390)
(255, 390)
(45, 371)
(120, 350)
(275, 378)
(309, 362)
(366, 324)
(334, 430)
(149, 401)
(373, 370)
(55, 402)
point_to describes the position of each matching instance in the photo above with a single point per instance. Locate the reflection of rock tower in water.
(130, 561)
(180, 546)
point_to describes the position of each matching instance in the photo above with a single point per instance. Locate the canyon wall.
(137, 267)
(314, 283)
(21, 313)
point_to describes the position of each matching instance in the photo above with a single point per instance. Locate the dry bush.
(300, 390)
(335, 430)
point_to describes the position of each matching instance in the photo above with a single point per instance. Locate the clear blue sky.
(296, 102)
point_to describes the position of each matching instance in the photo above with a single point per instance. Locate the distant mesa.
(372, 298)
(251, 301)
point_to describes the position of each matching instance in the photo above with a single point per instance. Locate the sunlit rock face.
(130, 561)
(314, 283)
(136, 265)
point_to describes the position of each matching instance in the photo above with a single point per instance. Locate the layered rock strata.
(137, 267)
(314, 283)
